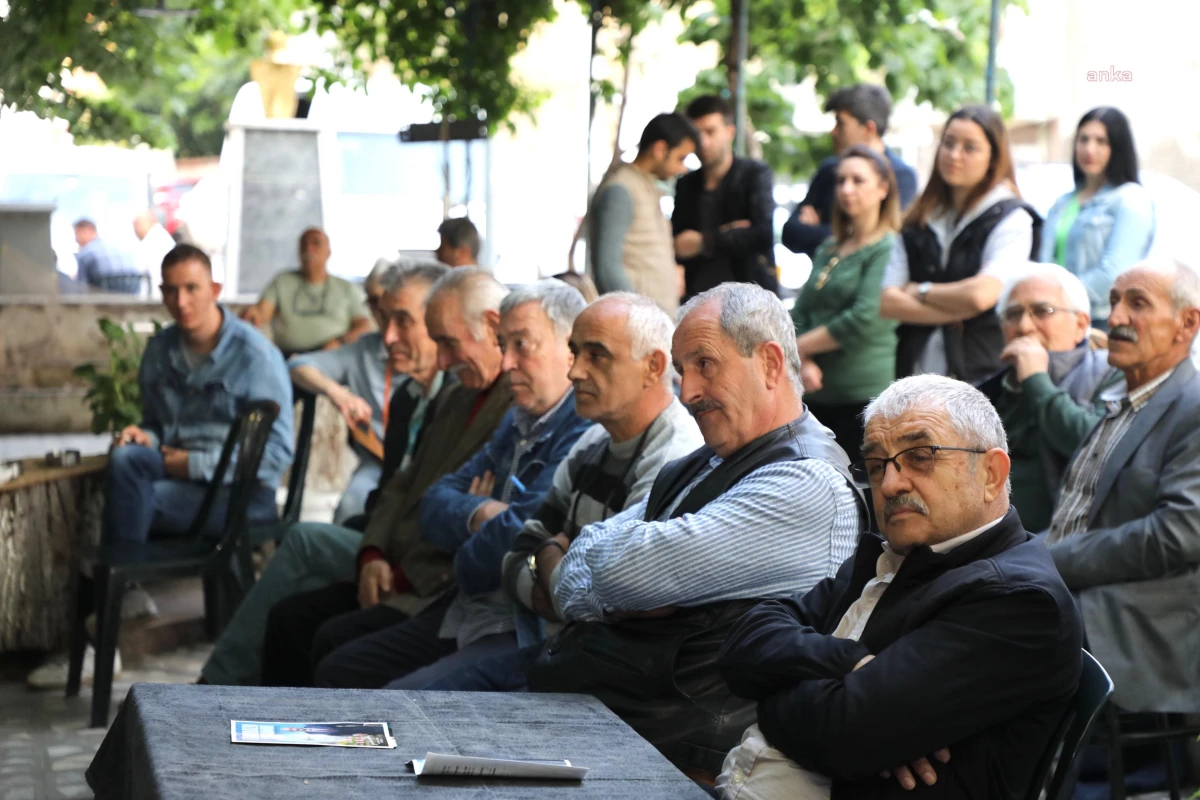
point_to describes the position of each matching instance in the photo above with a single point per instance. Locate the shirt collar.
(528, 425)
(1119, 396)
(950, 544)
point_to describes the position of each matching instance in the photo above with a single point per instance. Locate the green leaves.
(114, 395)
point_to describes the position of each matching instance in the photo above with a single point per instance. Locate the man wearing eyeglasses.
(944, 653)
(1047, 395)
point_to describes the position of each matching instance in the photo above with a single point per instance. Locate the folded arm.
(760, 233)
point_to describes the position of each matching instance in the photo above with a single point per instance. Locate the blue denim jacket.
(1113, 231)
(193, 409)
(447, 507)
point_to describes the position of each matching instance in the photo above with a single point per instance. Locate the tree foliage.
(114, 395)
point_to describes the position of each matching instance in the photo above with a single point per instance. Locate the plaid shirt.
(1079, 488)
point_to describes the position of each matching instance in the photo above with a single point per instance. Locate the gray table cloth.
(172, 741)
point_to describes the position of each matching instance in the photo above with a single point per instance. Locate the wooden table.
(46, 515)
(172, 741)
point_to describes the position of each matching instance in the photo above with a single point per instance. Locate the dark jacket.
(395, 438)
(976, 650)
(801, 238)
(742, 254)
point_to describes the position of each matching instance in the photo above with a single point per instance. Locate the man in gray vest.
(766, 508)
(629, 240)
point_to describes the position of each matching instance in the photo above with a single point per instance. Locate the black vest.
(972, 346)
(660, 675)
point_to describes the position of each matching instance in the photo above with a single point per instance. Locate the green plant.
(114, 395)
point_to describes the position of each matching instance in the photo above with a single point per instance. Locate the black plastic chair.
(122, 283)
(1124, 729)
(261, 534)
(222, 563)
(1095, 689)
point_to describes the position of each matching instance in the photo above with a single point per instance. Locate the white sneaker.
(136, 603)
(53, 674)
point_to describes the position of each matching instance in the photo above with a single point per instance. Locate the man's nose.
(1025, 324)
(508, 362)
(577, 372)
(445, 359)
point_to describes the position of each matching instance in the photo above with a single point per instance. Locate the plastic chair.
(222, 563)
(1165, 730)
(1095, 689)
(261, 534)
(122, 283)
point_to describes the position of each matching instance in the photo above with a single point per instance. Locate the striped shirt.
(777, 531)
(1079, 487)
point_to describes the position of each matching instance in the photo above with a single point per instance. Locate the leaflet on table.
(325, 734)
(473, 767)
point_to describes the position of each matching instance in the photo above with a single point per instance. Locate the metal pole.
(993, 37)
(743, 46)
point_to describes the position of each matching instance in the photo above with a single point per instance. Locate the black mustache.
(700, 406)
(1125, 333)
(903, 501)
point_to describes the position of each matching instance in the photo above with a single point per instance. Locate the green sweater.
(848, 306)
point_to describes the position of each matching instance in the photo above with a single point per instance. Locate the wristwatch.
(923, 290)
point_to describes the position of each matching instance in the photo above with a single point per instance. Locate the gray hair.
(404, 272)
(477, 291)
(650, 328)
(560, 301)
(971, 414)
(750, 316)
(1185, 283)
(1074, 293)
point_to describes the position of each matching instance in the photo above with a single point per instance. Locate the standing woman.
(1106, 225)
(961, 241)
(847, 352)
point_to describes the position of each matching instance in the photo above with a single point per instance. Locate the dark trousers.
(141, 497)
(846, 423)
(505, 672)
(306, 626)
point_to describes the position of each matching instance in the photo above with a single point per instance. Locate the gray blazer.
(1136, 569)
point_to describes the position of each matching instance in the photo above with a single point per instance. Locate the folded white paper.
(473, 767)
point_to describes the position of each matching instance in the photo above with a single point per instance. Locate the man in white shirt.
(946, 652)
(153, 243)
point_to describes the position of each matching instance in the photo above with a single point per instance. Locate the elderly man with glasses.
(944, 653)
(1047, 395)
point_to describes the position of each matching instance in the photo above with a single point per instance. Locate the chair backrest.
(295, 495)
(1095, 689)
(121, 283)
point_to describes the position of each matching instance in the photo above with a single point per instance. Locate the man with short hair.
(194, 377)
(629, 240)
(452, 425)
(622, 377)
(459, 245)
(944, 653)
(860, 118)
(468, 520)
(723, 220)
(309, 309)
(1047, 395)
(102, 266)
(359, 378)
(765, 509)
(1126, 532)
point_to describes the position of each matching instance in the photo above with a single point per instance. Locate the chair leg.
(78, 636)
(1116, 764)
(110, 591)
(1168, 752)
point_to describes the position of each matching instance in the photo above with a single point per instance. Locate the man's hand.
(485, 513)
(175, 462)
(689, 244)
(809, 216)
(862, 662)
(1027, 355)
(374, 583)
(132, 434)
(921, 767)
(352, 407)
(333, 344)
(811, 376)
(542, 604)
(680, 280)
(483, 485)
(732, 226)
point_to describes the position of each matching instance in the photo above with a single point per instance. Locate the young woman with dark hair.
(960, 243)
(1106, 224)
(847, 352)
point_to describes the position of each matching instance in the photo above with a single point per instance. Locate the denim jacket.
(193, 409)
(1113, 231)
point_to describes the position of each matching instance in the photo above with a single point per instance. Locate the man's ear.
(996, 465)
(657, 363)
(774, 363)
(491, 321)
(1189, 321)
(217, 289)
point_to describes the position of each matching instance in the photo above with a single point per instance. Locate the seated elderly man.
(1126, 532)
(1047, 396)
(622, 376)
(765, 509)
(360, 377)
(944, 653)
(463, 309)
(467, 521)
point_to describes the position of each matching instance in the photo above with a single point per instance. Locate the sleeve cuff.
(1038, 387)
(368, 555)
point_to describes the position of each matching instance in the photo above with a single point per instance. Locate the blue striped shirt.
(776, 532)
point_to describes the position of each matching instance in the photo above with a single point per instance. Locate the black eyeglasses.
(919, 460)
(1039, 311)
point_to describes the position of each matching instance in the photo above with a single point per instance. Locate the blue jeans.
(354, 500)
(141, 497)
(502, 672)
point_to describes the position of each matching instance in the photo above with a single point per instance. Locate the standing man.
(309, 308)
(861, 112)
(101, 266)
(723, 213)
(459, 246)
(153, 245)
(628, 237)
